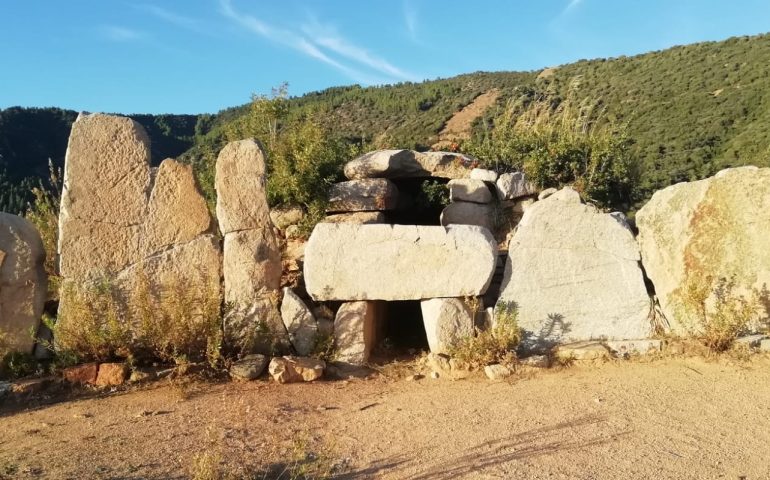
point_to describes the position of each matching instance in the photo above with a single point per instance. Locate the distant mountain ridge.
(692, 110)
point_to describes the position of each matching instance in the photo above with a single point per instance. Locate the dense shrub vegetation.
(685, 113)
(690, 111)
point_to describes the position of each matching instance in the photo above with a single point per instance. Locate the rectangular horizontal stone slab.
(398, 262)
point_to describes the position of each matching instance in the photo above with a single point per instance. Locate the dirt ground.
(667, 418)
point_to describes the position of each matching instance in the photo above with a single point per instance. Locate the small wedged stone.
(360, 218)
(81, 374)
(371, 194)
(514, 185)
(111, 374)
(355, 331)
(286, 216)
(299, 322)
(469, 190)
(249, 367)
(296, 369)
(484, 175)
(467, 213)
(497, 372)
(582, 351)
(398, 262)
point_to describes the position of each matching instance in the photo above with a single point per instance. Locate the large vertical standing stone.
(698, 234)
(119, 222)
(252, 256)
(573, 274)
(104, 198)
(355, 331)
(22, 282)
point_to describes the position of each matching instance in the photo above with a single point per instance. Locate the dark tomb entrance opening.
(401, 331)
(420, 201)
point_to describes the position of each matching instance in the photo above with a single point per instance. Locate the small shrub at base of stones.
(496, 345)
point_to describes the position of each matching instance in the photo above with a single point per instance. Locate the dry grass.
(177, 322)
(718, 315)
(497, 344)
(302, 458)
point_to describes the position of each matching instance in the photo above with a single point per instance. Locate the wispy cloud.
(573, 4)
(410, 19)
(321, 44)
(174, 18)
(328, 38)
(121, 34)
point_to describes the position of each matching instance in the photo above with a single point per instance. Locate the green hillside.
(689, 111)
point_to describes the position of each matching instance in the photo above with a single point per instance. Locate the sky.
(198, 56)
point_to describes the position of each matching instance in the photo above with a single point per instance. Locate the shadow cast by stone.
(552, 332)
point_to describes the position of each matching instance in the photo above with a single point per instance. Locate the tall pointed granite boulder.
(698, 235)
(252, 255)
(23, 284)
(573, 274)
(118, 220)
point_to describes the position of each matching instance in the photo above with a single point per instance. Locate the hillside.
(690, 110)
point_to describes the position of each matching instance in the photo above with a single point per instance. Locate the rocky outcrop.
(467, 213)
(469, 190)
(573, 274)
(119, 220)
(408, 163)
(371, 194)
(252, 255)
(695, 235)
(398, 262)
(23, 282)
(355, 331)
(446, 321)
(299, 322)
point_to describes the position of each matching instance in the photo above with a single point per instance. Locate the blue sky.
(193, 56)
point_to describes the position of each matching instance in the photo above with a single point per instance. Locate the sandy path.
(681, 418)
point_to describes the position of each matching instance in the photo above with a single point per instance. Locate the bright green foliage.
(558, 143)
(43, 212)
(690, 110)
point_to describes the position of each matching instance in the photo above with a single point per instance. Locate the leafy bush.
(559, 143)
(717, 314)
(496, 344)
(43, 212)
(17, 364)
